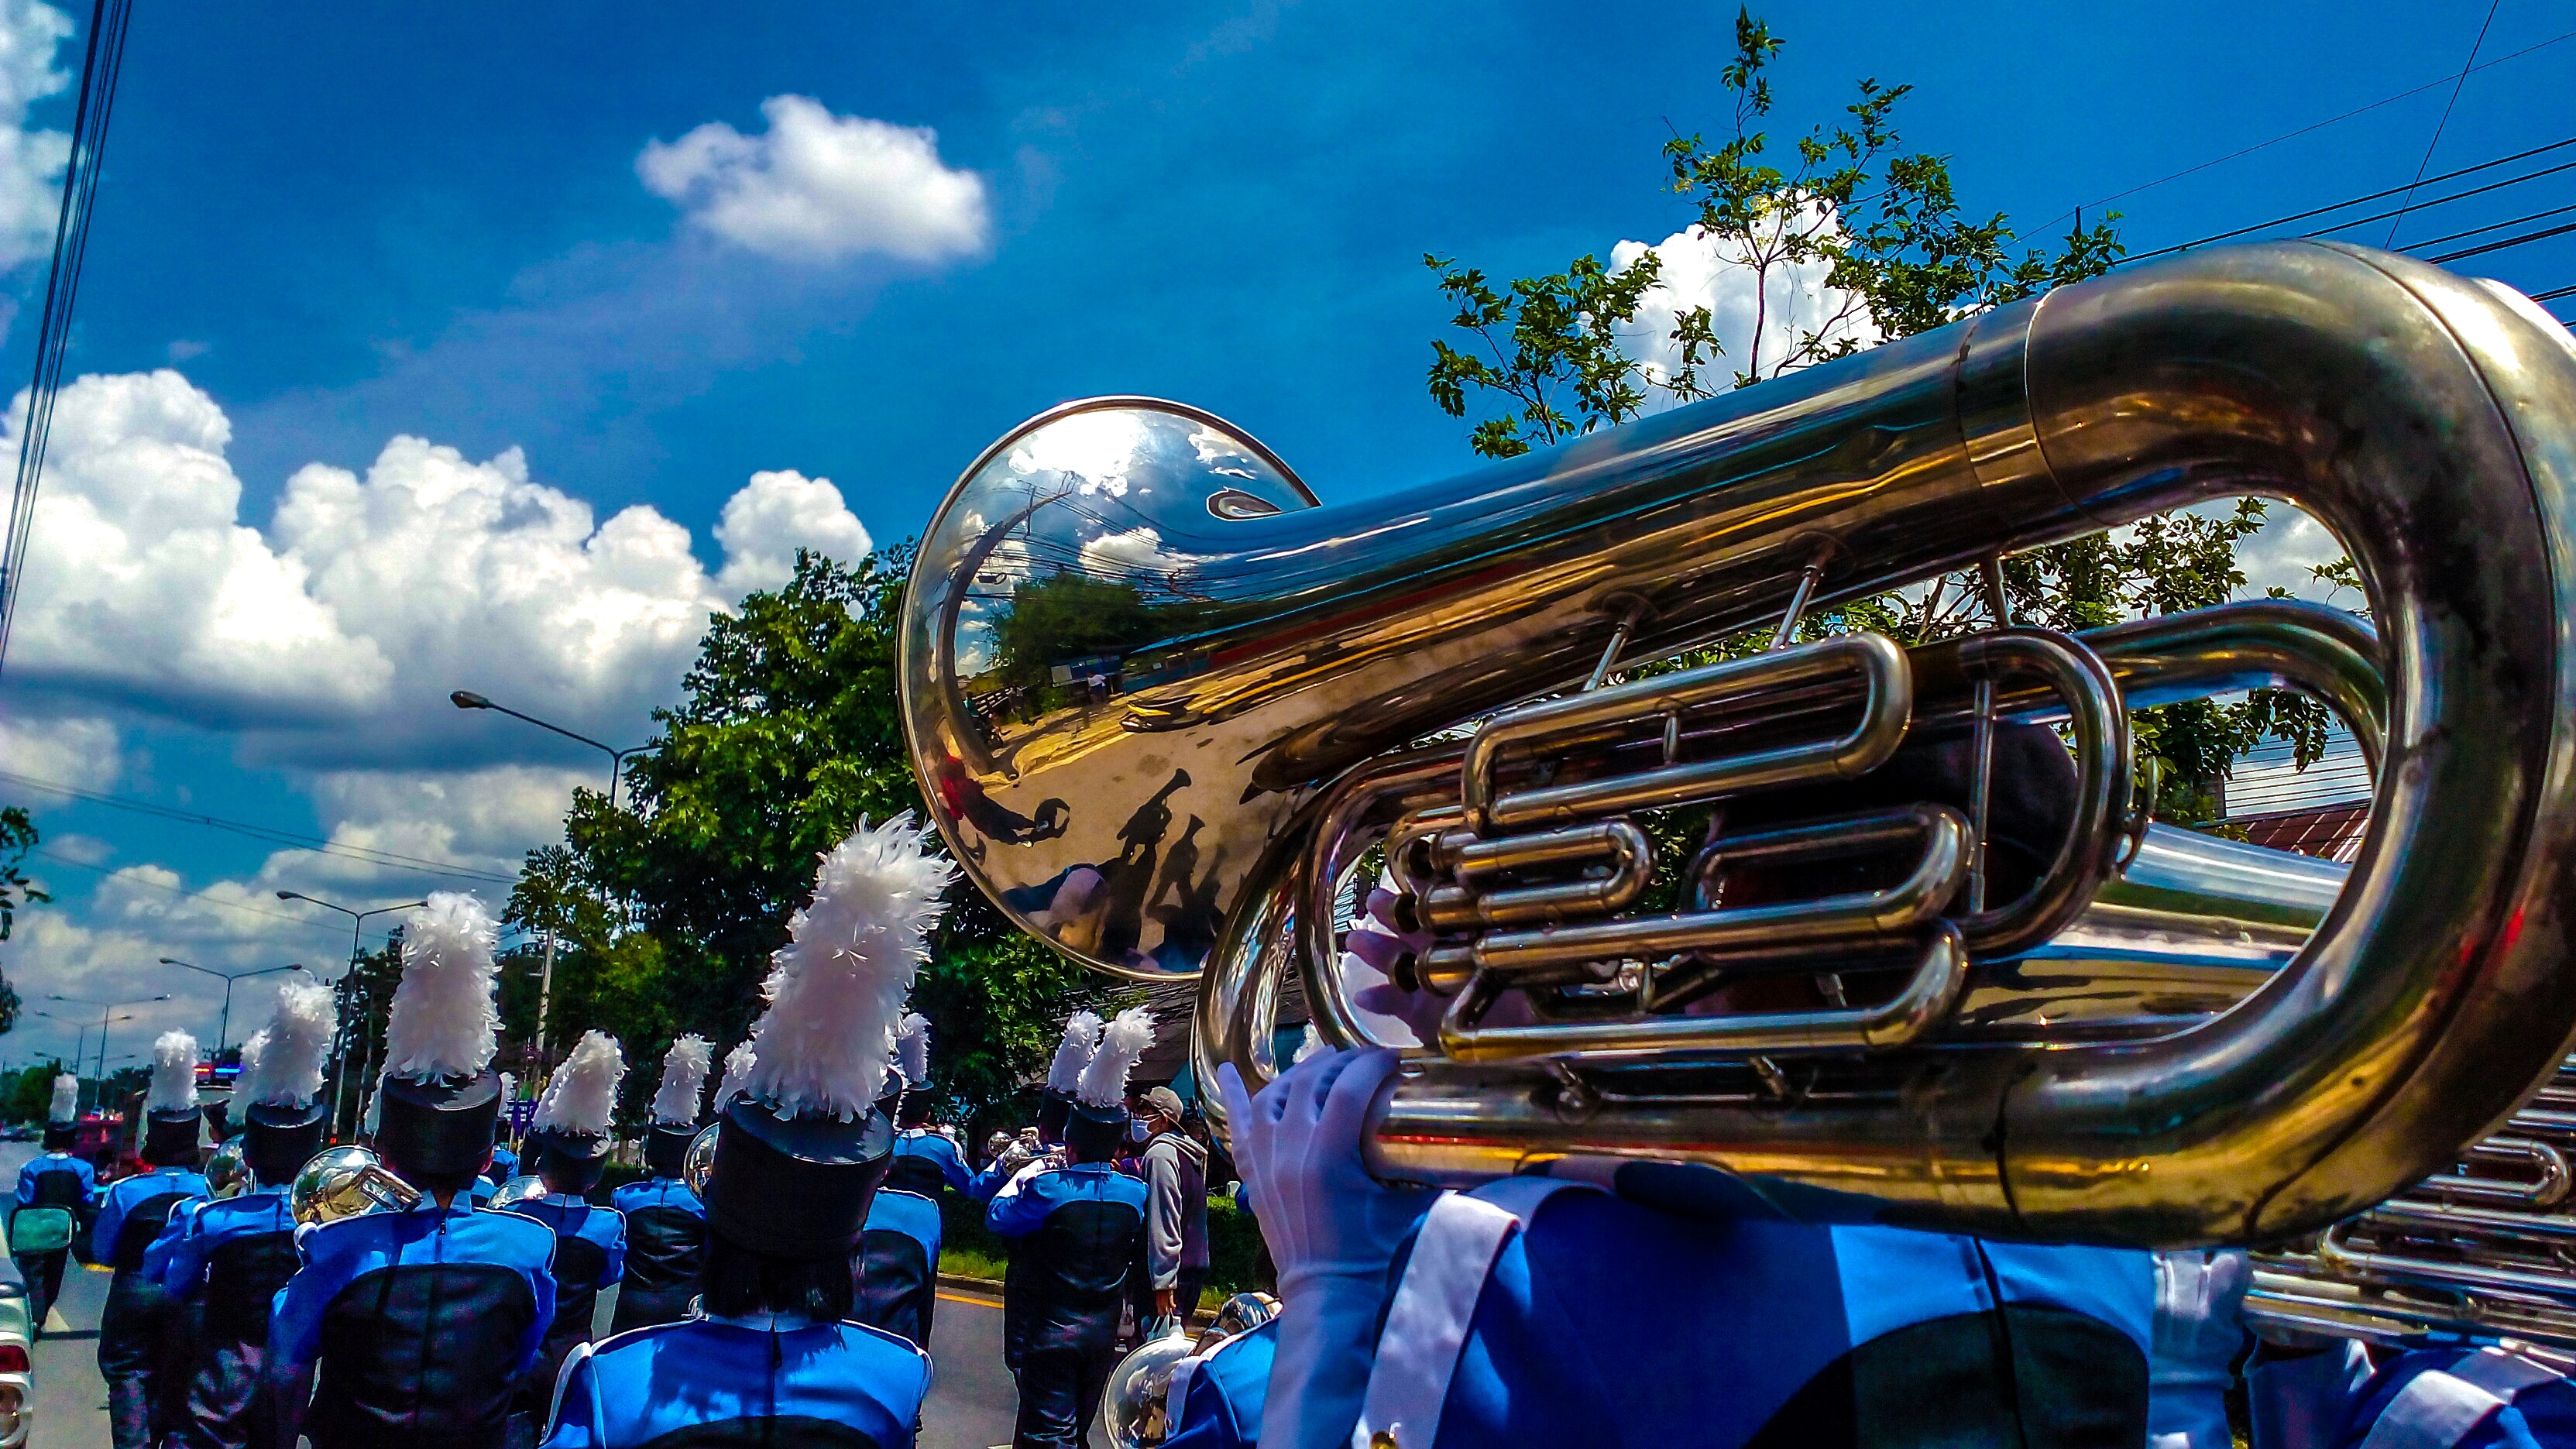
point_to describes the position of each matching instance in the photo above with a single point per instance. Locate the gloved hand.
(2199, 1328)
(1332, 1229)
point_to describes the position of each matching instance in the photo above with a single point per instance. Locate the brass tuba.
(1171, 713)
(345, 1182)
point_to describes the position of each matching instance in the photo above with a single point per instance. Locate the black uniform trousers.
(43, 1273)
(141, 1338)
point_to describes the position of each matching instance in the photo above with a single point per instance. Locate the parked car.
(17, 1388)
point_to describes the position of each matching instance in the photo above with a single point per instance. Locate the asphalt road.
(972, 1400)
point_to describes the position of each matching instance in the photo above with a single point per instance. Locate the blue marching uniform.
(741, 1381)
(2484, 1398)
(897, 1265)
(590, 1254)
(505, 1165)
(1814, 1336)
(139, 1333)
(924, 1161)
(666, 1236)
(228, 1258)
(1216, 1397)
(422, 1324)
(1075, 1234)
(60, 1181)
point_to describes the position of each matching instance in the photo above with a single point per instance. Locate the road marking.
(978, 1302)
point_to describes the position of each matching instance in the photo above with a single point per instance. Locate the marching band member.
(799, 1155)
(417, 1325)
(666, 1225)
(1075, 1231)
(138, 1331)
(231, 1255)
(1443, 1321)
(924, 1158)
(59, 1181)
(897, 1265)
(568, 1137)
(1219, 1405)
(505, 1159)
(1038, 1142)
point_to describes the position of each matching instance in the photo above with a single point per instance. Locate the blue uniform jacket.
(1076, 1233)
(2541, 1413)
(1024, 1206)
(898, 1265)
(786, 1384)
(52, 1162)
(423, 1322)
(1793, 1334)
(602, 1228)
(505, 1165)
(179, 1256)
(908, 1213)
(924, 1160)
(1219, 1405)
(656, 1192)
(666, 1230)
(990, 1179)
(109, 1240)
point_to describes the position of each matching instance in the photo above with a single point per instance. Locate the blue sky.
(382, 224)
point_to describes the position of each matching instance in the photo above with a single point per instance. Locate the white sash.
(2436, 1410)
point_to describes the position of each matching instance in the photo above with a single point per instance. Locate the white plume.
(737, 1077)
(684, 1076)
(836, 989)
(174, 1074)
(1122, 1046)
(912, 1049)
(443, 1023)
(509, 1087)
(282, 1065)
(1307, 1045)
(66, 1099)
(1081, 1039)
(582, 1095)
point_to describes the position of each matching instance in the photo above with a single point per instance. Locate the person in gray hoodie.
(1176, 1235)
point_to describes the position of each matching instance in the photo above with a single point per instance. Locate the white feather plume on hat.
(174, 1074)
(582, 1095)
(737, 1074)
(1081, 1039)
(66, 1109)
(836, 989)
(684, 1077)
(282, 1063)
(912, 1049)
(442, 1022)
(1122, 1046)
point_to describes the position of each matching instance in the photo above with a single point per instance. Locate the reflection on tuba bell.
(525, 1188)
(343, 1182)
(699, 1162)
(1172, 713)
(226, 1173)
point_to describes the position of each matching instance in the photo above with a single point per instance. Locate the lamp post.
(468, 699)
(80, 1053)
(223, 1030)
(357, 923)
(105, 1007)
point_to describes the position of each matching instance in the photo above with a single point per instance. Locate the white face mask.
(1136, 1129)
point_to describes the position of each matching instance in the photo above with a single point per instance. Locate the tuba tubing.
(2428, 420)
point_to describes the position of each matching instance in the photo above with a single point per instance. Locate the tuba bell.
(1136, 1409)
(1173, 715)
(226, 1174)
(345, 1182)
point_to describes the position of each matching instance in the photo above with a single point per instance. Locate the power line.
(2317, 211)
(318, 844)
(99, 70)
(2312, 126)
(2497, 246)
(2554, 294)
(2447, 200)
(2444, 124)
(2490, 226)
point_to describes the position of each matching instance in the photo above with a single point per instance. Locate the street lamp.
(104, 1007)
(357, 923)
(468, 699)
(80, 1053)
(223, 1031)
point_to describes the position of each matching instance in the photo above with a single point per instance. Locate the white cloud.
(776, 514)
(31, 162)
(1755, 326)
(817, 187)
(333, 637)
(76, 751)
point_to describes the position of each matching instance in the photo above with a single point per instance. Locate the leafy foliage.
(1901, 255)
(28, 1095)
(665, 911)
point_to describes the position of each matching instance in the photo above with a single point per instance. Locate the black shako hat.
(795, 1187)
(1096, 1132)
(1053, 1108)
(666, 1148)
(171, 1137)
(569, 1161)
(277, 1141)
(442, 1125)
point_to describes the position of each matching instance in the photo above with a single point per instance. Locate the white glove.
(2198, 1331)
(1332, 1230)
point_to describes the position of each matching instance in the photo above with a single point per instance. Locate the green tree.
(18, 836)
(1901, 255)
(787, 735)
(29, 1096)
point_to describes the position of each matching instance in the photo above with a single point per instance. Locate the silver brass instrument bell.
(1136, 1409)
(1171, 712)
(344, 1182)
